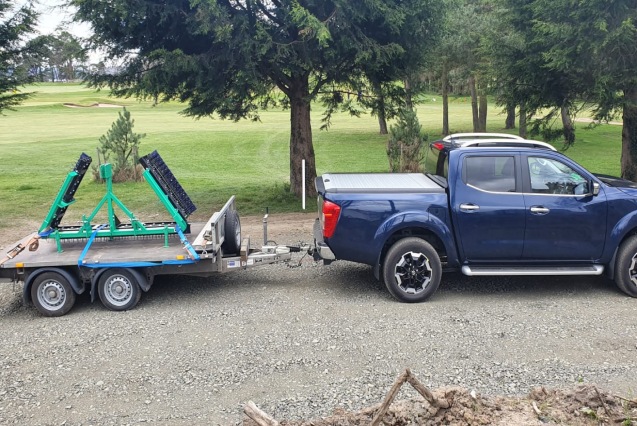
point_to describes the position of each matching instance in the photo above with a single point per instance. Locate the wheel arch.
(76, 283)
(612, 264)
(418, 231)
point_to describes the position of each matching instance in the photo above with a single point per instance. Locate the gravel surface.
(303, 341)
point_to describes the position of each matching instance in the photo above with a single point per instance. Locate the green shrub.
(406, 142)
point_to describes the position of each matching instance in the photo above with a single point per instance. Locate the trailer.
(118, 260)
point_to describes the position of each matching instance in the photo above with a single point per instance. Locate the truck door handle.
(539, 210)
(469, 207)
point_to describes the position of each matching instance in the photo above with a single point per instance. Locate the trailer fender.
(78, 286)
(143, 281)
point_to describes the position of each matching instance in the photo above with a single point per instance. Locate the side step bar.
(533, 270)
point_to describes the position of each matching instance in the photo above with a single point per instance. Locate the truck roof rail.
(461, 140)
(473, 136)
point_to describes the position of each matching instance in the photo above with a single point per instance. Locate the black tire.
(232, 235)
(626, 267)
(412, 270)
(52, 294)
(119, 289)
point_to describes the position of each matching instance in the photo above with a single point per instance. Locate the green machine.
(162, 182)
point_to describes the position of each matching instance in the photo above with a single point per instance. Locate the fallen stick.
(260, 417)
(536, 409)
(390, 398)
(426, 393)
(407, 376)
(602, 401)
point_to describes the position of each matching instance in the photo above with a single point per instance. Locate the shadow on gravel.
(341, 281)
(523, 286)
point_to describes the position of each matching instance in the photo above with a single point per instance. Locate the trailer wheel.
(232, 241)
(119, 289)
(52, 294)
(412, 270)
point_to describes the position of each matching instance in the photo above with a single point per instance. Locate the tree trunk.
(445, 99)
(474, 103)
(510, 120)
(301, 147)
(482, 112)
(629, 134)
(567, 124)
(522, 130)
(408, 99)
(380, 110)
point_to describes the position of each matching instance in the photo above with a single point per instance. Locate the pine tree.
(121, 142)
(14, 25)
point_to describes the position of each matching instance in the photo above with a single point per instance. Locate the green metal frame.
(59, 202)
(110, 200)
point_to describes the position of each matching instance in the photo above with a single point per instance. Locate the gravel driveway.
(303, 341)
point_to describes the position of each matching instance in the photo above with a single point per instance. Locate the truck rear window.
(437, 160)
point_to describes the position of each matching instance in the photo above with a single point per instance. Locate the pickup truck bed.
(369, 183)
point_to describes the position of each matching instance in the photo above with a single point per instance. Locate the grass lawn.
(213, 159)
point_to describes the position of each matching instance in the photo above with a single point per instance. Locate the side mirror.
(595, 190)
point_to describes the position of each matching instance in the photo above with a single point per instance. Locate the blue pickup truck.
(487, 204)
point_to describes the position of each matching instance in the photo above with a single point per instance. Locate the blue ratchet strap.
(88, 244)
(186, 244)
(45, 234)
(190, 249)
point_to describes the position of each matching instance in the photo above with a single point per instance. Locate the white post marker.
(303, 178)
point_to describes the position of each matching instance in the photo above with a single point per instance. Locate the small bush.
(121, 144)
(405, 144)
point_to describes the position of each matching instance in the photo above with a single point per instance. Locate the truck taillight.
(331, 212)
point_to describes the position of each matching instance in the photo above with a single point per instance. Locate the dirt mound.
(583, 405)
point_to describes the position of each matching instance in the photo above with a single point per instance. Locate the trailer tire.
(412, 270)
(52, 294)
(118, 289)
(232, 235)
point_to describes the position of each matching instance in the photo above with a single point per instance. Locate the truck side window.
(550, 176)
(493, 174)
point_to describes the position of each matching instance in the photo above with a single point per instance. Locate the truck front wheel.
(412, 270)
(626, 268)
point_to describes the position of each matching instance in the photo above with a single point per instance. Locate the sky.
(54, 14)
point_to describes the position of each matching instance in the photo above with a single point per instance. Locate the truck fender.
(77, 285)
(626, 225)
(143, 281)
(420, 220)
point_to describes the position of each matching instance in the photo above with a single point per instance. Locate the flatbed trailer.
(55, 268)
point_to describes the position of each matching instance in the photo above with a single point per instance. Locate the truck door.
(488, 207)
(562, 222)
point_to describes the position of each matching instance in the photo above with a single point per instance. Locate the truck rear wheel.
(52, 294)
(119, 289)
(412, 270)
(626, 267)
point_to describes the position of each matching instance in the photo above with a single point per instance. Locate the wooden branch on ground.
(602, 401)
(407, 376)
(260, 417)
(426, 393)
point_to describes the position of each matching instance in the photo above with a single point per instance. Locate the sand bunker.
(95, 105)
